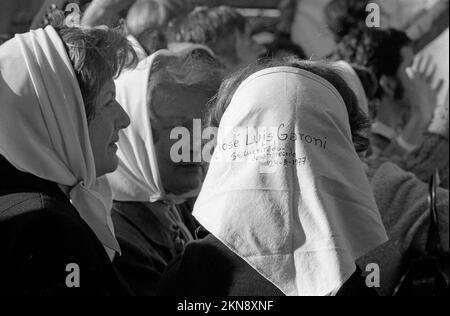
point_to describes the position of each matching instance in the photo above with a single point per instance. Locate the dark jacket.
(209, 268)
(40, 235)
(147, 242)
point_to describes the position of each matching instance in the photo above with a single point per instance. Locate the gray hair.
(196, 70)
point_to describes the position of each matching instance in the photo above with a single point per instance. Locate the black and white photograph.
(219, 156)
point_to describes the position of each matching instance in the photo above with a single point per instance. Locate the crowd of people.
(293, 176)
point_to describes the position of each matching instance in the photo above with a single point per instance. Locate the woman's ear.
(389, 85)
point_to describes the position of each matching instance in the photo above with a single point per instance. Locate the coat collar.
(16, 181)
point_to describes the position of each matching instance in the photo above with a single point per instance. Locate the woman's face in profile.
(104, 129)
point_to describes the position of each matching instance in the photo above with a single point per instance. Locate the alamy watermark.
(373, 19)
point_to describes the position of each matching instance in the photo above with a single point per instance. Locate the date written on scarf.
(272, 147)
(226, 306)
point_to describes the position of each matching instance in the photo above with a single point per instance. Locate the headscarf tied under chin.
(286, 190)
(138, 177)
(43, 126)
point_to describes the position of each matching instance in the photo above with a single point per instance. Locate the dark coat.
(209, 268)
(147, 244)
(40, 234)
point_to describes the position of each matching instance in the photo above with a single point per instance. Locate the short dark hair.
(376, 49)
(210, 27)
(342, 16)
(358, 121)
(97, 54)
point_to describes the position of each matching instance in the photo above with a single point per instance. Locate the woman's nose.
(123, 120)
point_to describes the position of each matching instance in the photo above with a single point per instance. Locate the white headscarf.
(138, 178)
(299, 221)
(44, 129)
(352, 79)
(140, 51)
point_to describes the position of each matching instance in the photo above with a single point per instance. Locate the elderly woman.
(158, 171)
(286, 200)
(58, 128)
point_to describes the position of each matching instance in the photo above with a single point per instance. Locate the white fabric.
(140, 51)
(300, 223)
(138, 178)
(43, 126)
(352, 79)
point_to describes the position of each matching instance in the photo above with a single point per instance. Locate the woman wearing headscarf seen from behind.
(286, 200)
(166, 91)
(58, 129)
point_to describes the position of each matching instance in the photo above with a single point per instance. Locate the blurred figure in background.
(223, 29)
(402, 198)
(309, 29)
(405, 107)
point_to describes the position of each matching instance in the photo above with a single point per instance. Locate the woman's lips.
(114, 142)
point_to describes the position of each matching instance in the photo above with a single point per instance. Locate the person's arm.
(432, 153)
(173, 280)
(403, 203)
(422, 97)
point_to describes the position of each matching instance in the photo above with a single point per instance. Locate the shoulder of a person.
(23, 203)
(50, 213)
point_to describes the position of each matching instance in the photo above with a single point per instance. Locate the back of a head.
(213, 27)
(342, 16)
(358, 121)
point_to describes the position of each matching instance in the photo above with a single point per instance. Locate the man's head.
(222, 29)
(387, 53)
(179, 91)
(342, 16)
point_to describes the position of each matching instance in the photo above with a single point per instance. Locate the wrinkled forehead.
(176, 102)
